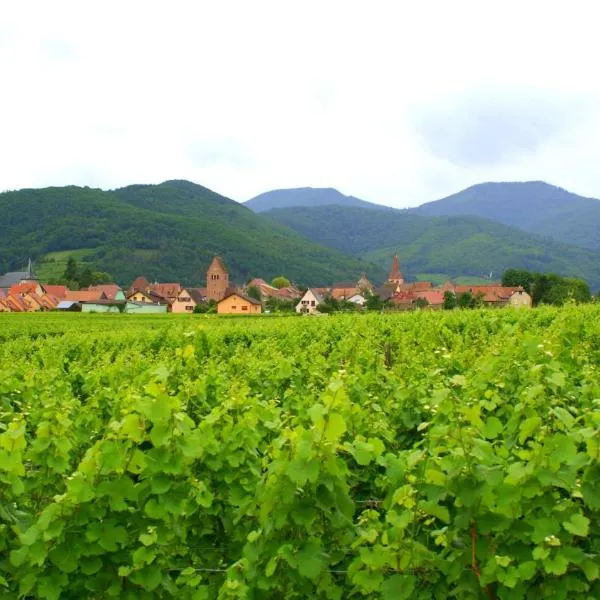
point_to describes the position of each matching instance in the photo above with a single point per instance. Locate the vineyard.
(423, 455)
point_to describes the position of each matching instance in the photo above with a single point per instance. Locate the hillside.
(442, 245)
(307, 197)
(533, 206)
(168, 232)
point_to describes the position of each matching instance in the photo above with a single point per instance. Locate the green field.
(421, 455)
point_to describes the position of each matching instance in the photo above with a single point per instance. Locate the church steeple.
(395, 275)
(30, 276)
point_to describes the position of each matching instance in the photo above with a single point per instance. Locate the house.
(344, 291)
(103, 306)
(435, 298)
(27, 288)
(111, 290)
(358, 299)
(309, 302)
(68, 306)
(145, 308)
(139, 283)
(84, 296)
(217, 279)
(266, 290)
(166, 290)
(58, 291)
(288, 293)
(497, 295)
(187, 299)
(16, 277)
(520, 299)
(364, 284)
(236, 303)
(146, 296)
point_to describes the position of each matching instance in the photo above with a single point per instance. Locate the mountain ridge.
(167, 231)
(453, 245)
(307, 196)
(534, 206)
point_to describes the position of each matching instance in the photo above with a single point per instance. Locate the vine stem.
(474, 564)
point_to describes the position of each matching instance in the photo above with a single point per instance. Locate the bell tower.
(217, 279)
(395, 275)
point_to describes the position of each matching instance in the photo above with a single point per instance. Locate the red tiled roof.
(166, 290)
(340, 293)
(490, 293)
(58, 291)
(16, 304)
(139, 283)
(22, 288)
(84, 296)
(434, 297)
(109, 289)
(288, 292)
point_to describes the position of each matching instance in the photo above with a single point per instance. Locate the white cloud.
(398, 103)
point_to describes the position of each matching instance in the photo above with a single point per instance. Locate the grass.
(53, 265)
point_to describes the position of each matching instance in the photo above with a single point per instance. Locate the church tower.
(217, 279)
(395, 275)
(30, 276)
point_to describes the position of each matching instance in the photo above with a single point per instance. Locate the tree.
(254, 292)
(85, 278)
(329, 305)
(465, 300)
(70, 273)
(206, 307)
(280, 282)
(374, 302)
(421, 303)
(275, 304)
(519, 277)
(449, 300)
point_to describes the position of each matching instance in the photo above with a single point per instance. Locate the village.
(22, 291)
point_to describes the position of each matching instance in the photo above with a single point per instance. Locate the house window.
(312, 303)
(189, 308)
(234, 308)
(244, 308)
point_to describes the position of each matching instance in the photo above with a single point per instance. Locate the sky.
(394, 102)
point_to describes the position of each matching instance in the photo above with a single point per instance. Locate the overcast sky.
(394, 102)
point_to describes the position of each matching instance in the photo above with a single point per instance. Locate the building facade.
(217, 279)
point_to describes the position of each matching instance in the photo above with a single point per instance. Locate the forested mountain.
(307, 196)
(532, 206)
(169, 232)
(453, 246)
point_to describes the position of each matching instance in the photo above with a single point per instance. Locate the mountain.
(452, 246)
(532, 206)
(169, 232)
(306, 197)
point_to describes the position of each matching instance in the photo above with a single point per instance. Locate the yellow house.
(237, 303)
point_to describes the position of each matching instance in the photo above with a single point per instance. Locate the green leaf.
(398, 587)
(577, 525)
(492, 428)
(556, 565)
(311, 560)
(591, 569)
(528, 427)
(335, 428)
(362, 453)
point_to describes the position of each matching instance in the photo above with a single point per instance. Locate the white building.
(309, 302)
